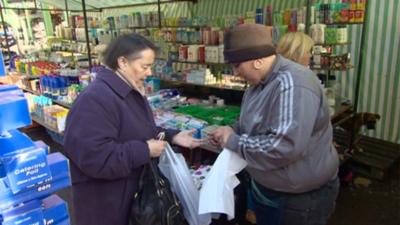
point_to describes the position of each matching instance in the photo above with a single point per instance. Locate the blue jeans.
(310, 208)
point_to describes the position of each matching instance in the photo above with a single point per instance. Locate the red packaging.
(183, 52)
(292, 27)
(202, 55)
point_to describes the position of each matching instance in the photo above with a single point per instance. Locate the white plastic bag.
(174, 168)
(216, 194)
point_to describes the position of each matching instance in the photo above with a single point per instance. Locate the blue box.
(12, 142)
(51, 210)
(37, 144)
(26, 214)
(60, 179)
(26, 169)
(64, 222)
(14, 113)
(41, 144)
(55, 210)
(7, 90)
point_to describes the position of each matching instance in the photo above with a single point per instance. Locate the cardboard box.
(51, 210)
(26, 169)
(14, 111)
(61, 178)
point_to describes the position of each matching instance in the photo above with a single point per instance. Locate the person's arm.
(236, 126)
(91, 141)
(169, 133)
(292, 119)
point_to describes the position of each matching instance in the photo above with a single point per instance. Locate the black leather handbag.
(155, 203)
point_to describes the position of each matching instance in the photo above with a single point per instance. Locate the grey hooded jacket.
(284, 131)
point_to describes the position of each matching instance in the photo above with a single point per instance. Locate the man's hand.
(220, 136)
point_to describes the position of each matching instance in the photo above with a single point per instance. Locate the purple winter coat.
(105, 140)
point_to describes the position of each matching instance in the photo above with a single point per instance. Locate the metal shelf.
(182, 43)
(334, 44)
(203, 85)
(63, 104)
(31, 91)
(348, 23)
(205, 63)
(330, 69)
(42, 123)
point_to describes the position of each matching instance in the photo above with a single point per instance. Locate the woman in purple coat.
(110, 134)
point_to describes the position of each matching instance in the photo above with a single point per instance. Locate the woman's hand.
(156, 147)
(186, 139)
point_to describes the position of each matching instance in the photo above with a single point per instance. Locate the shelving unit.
(66, 105)
(332, 69)
(203, 85)
(361, 53)
(201, 63)
(42, 123)
(334, 44)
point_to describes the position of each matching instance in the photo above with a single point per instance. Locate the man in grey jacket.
(284, 133)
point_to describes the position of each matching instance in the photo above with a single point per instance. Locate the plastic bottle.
(63, 87)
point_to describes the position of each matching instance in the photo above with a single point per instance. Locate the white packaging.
(318, 33)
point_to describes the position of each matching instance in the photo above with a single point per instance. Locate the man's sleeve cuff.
(233, 143)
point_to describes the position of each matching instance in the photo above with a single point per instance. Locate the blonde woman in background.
(296, 46)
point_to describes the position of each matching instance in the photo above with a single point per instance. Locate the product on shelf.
(171, 120)
(219, 115)
(346, 11)
(330, 35)
(53, 116)
(35, 67)
(324, 59)
(220, 76)
(165, 99)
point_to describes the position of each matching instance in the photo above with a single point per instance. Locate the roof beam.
(144, 4)
(58, 10)
(86, 4)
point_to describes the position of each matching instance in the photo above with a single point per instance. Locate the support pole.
(87, 34)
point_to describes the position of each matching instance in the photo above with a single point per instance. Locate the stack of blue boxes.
(29, 174)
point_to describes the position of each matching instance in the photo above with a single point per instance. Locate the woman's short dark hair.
(126, 45)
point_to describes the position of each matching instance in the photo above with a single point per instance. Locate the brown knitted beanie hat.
(246, 42)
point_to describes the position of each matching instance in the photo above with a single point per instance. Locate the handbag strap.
(161, 184)
(158, 181)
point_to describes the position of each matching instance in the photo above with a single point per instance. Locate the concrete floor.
(378, 204)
